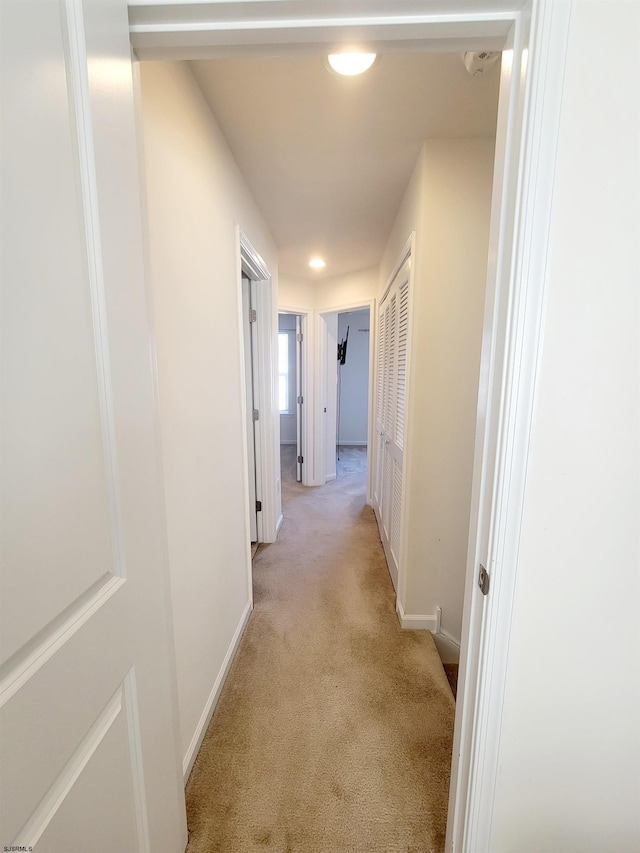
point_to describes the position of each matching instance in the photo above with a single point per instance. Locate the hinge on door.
(258, 506)
(255, 415)
(301, 399)
(253, 315)
(301, 459)
(299, 337)
(483, 580)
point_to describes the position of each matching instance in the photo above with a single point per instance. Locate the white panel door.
(248, 325)
(391, 385)
(87, 697)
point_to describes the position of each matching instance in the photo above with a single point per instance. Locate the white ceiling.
(328, 158)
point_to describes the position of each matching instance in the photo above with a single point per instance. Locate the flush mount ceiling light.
(350, 63)
(317, 263)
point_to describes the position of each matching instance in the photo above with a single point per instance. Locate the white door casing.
(390, 412)
(88, 708)
(534, 34)
(264, 352)
(248, 324)
(299, 400)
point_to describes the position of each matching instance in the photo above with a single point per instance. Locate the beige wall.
(355, 288)
(569, 754)
(196, 198)
(447, 204)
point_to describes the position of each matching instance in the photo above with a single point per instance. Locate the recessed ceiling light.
(317, 263)
(351, 64)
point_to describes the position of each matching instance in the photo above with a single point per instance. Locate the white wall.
(354, 378)
(447, 203)
(196, 198)
(296, 293)
(288, 422)
(569, 759)
(325, 294)
(345, 291)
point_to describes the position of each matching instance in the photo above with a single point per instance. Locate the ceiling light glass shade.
(351, 64)
(317, 263)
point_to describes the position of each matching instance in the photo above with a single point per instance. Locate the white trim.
(524, 178)
(132, 716)
(345, 308)
(210, 705)
(76, 51)
(279, 523)
(515, 389)
(20, 670)
(413, 622)
(306, 389)
(268, 426)
(448, 647)
(192, 29)
(348, 443)
(243, 415)
(36, 825)
(252, 261)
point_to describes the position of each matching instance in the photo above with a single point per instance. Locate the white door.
(391, 385)
(87, 697)
(299, 400)
(249, 319)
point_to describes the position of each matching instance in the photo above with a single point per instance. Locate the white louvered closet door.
(391, 385)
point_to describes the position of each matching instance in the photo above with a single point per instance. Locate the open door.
(87, 696)
(299, 400)
(249, 320)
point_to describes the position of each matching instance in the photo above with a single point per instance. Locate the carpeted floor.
(333, 731)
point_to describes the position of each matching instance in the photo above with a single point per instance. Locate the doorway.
(290, 396)
(352, 392)
(252, 396)
(512, 325)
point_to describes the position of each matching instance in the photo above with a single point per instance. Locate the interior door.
(249, 319)
(391, 385)
(299, 400)
(88, 707)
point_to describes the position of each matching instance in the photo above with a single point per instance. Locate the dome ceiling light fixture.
(350, 63)
(317, 264)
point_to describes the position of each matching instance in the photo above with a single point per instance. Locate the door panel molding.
(30, 658)
(76, 53)
(123, 702)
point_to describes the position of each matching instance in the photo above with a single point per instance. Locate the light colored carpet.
(333, 731)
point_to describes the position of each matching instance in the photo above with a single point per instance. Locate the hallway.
(333, 731)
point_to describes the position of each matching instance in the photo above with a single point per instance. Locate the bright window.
(283, 371)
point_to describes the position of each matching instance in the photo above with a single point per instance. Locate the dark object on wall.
(342, 348)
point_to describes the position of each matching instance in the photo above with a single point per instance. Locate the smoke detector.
(478, 62)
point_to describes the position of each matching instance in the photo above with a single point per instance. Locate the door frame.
(306, 383)
(535, 33)
(251, 264)
(321, 378)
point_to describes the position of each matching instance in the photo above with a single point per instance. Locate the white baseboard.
(345, 443)
(448, 645)
(209, 708)
(412, 622)
(331, 476)
(287, 441)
